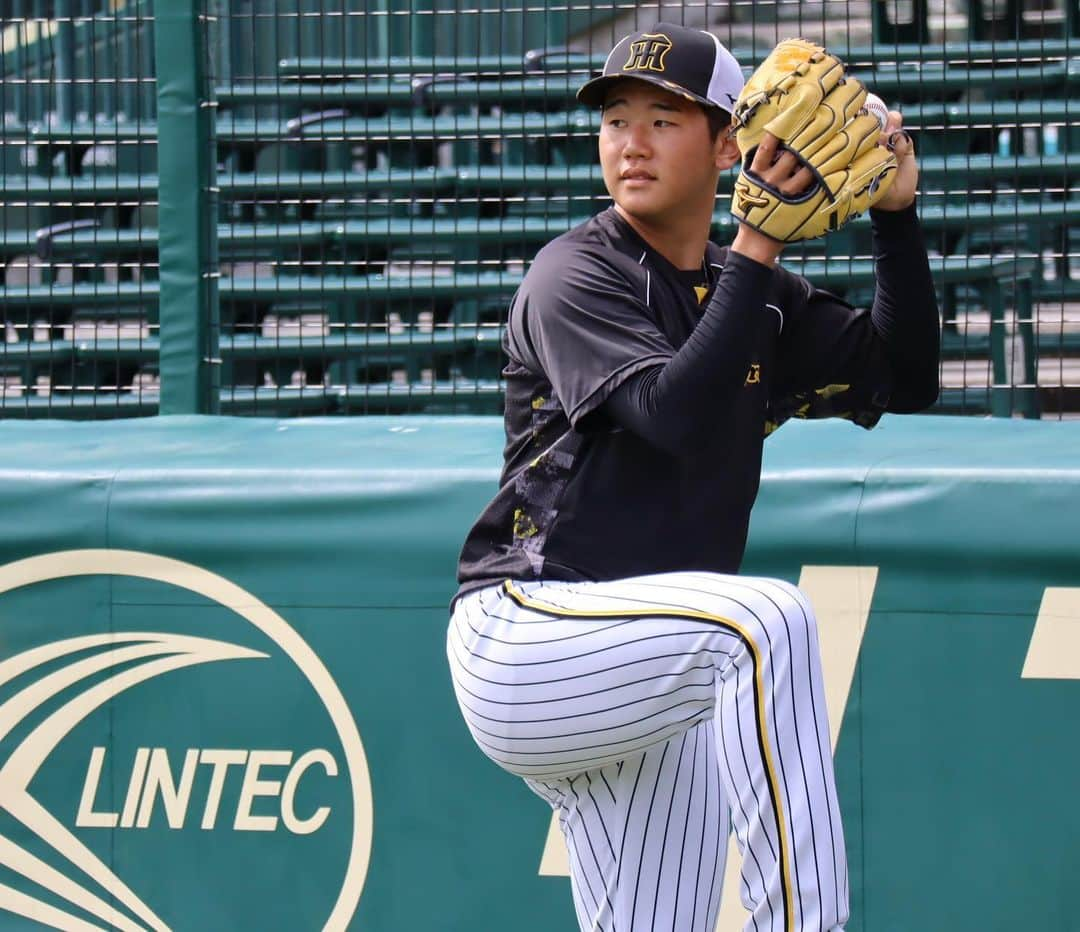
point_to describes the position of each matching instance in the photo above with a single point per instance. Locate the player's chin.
(643, 213)
(641, 198)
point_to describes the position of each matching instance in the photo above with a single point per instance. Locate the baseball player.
(600, 644)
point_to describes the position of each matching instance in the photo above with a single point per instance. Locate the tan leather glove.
(800, 95)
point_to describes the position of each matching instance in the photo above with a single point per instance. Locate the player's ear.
(726, 149)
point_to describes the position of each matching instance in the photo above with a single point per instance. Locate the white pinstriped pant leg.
(560, 681)
(646, 837)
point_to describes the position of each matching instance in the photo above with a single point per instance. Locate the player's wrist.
(756, 245)
(900, 197)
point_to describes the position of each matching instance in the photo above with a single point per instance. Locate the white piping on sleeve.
(781, 313)
(648, 279)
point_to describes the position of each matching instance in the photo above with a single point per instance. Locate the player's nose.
(636, 142)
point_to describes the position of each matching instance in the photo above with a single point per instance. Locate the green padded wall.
(224, 702)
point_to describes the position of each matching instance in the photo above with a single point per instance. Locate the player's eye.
(663, 123)
(616, 122)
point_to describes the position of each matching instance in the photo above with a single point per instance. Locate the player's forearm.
(680, 406)
(905, 310)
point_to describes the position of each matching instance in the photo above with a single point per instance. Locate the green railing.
(324, 207)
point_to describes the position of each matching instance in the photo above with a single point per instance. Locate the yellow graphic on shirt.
(523, 525)
(701, 291)
(753, 377)
(829, 390)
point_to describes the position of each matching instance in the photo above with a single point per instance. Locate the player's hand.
(902, 192)
(781, 169)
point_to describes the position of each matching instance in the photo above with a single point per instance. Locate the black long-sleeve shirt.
(639, 395)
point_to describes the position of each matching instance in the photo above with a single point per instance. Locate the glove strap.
(747, 106)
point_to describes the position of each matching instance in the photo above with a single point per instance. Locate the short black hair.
(719, 120)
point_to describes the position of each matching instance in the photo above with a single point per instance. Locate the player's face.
(658, 160)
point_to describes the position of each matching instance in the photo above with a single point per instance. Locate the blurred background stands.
(384, 173)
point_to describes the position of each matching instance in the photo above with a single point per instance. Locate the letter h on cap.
(647, 53)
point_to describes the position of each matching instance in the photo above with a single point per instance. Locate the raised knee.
(782, 589)
(771, 611)
(788, 614)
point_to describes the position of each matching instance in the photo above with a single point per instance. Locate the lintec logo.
(48, 690)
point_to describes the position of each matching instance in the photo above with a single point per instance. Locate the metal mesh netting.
(78, 205)
(386, 171)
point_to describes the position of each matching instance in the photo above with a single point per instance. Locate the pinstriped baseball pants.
(653, 714)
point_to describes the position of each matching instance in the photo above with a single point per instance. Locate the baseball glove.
(800, 95)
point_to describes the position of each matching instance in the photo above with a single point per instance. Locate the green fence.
(226, 703)
(78, 209)
(323, 206)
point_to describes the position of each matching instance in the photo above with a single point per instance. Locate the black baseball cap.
(686, 61)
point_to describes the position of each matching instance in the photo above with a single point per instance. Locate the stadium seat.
(986, 20)
(899, 80)
(577, 64)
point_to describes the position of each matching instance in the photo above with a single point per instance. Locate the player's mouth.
(637, 176)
